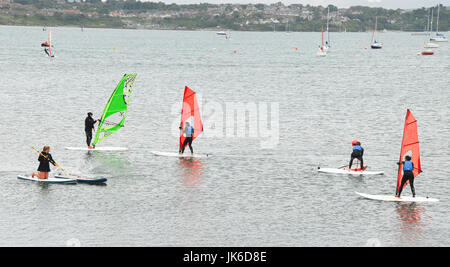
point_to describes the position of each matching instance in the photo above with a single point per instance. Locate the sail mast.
(50, 42)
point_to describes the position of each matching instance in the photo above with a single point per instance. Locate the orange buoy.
(235, 51)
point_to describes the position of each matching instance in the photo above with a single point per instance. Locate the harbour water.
(250, 192)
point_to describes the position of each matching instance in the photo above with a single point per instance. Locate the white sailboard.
(83, 179)
(347, 171)
(397, 199)
(178, 155)
(49, 180)
(105, 148)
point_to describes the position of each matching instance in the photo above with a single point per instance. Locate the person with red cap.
(357, 153)
(46, 48)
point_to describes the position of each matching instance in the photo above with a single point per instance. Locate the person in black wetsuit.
(89, 123)
(408, 175)
(46, 47)
(357, 153)
(188, 132)
(44, 164)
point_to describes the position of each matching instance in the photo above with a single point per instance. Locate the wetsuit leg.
(190, 145)
(411, 183)
(413, 190)
(351, 162)
(88, 138)
(404, 179)
(362, 162)
(184, 145)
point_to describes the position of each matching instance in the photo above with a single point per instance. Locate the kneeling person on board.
(44, 166)
(89, 123)
(357, 153)
(408, 175)
(188, 132)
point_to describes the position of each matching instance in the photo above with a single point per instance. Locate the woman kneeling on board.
(45, 158)
(408, 175)
(357, 153)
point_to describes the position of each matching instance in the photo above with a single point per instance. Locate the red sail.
(190, 113)
(410, 146)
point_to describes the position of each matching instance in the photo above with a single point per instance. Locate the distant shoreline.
(199, 30)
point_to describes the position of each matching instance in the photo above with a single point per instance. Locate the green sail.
(115, 112)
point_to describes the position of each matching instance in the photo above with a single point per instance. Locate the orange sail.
(190, 113)
(410, 146)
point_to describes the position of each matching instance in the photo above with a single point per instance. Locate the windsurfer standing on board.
(46, 47)
(89, 123)
(188, 132)
(408, 175)
(357, 153)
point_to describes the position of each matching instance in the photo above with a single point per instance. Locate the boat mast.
(374, 29)
(437, 20)
(322, 37)
(431, 27)
(328, 32)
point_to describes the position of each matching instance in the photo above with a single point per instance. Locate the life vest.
(190, 130)
(359, 148)
(408, 166)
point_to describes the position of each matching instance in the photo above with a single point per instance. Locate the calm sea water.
(244, 195)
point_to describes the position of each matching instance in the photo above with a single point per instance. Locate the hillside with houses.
(249, 17)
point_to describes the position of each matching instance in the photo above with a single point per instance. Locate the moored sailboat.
(375, 44)
(439, 37)
(327, 45)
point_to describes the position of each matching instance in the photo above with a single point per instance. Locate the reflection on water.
(192, 170)
(117, 163)
(410, 215)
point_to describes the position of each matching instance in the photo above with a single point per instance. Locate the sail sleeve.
(410, 146)
(190, 113)
(115, 112)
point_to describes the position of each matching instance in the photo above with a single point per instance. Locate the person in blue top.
(357, 153)
(408, 175)
(188, 132)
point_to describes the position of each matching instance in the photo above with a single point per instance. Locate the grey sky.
(405, 4)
